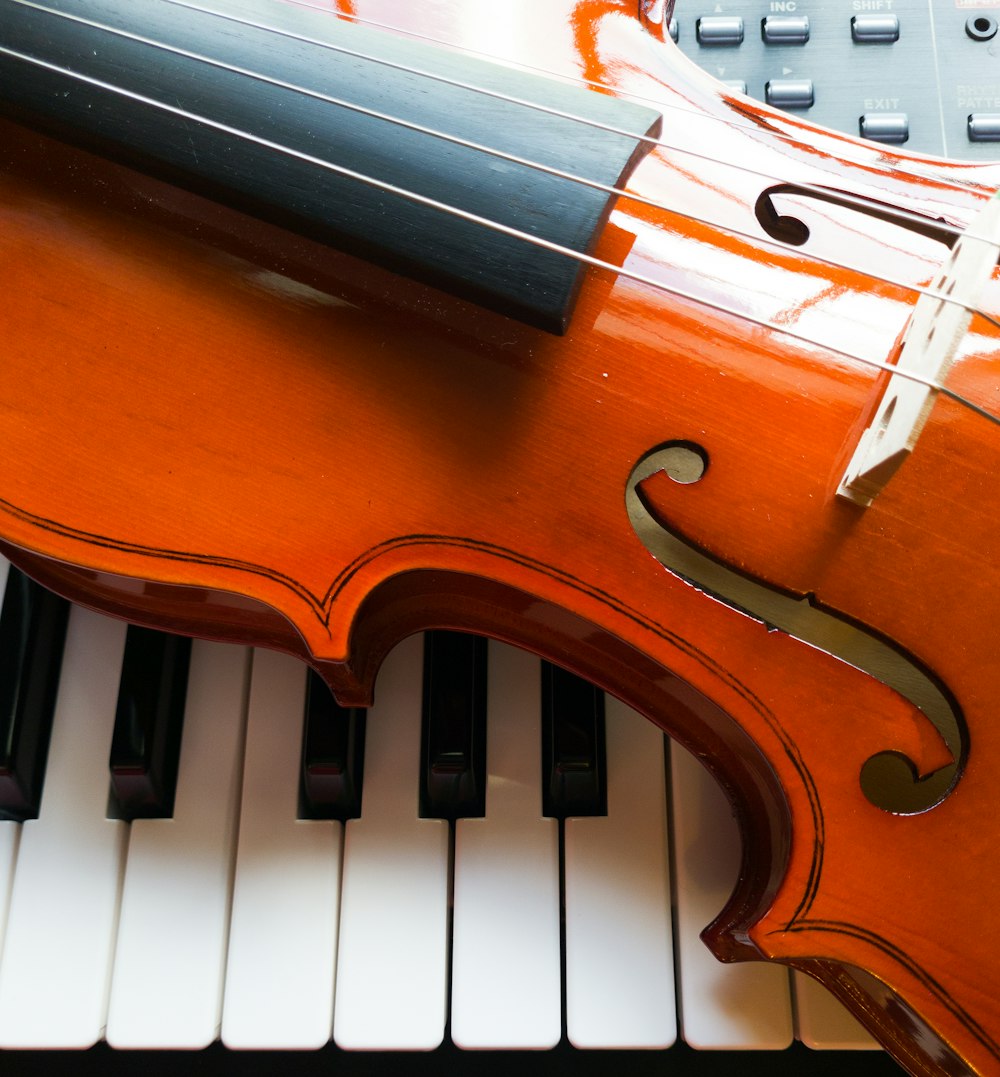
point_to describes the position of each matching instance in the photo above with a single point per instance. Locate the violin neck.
(407, 155)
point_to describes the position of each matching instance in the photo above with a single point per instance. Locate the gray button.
(981, 27)
(984, 127)
(893, 127)
(875, 29)
(789, 93)
(719, 30)
(673, 30)
(785, 29)
(735, 84)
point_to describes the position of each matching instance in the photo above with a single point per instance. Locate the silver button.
(981, 27)
(785, 29)
(735, 84)
(892, 127)
(789, 93)
(673, 30)
(875, 29)
(716, 30)
(984, 127)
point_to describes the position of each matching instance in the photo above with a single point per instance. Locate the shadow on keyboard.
(448, 1061)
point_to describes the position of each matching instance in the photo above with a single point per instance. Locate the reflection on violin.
(378, 343)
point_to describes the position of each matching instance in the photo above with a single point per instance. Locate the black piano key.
(146, 742)
(32, 633)
(453, 743)
(574, 766)
(333, 748)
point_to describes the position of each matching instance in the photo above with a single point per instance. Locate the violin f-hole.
(791, 230)
(889, 779)
(777, 225)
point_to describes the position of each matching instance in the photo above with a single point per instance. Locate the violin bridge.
(940, 320)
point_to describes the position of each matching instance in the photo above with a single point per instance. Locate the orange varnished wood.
(211, 425)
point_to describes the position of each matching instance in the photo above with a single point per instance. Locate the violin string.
(817, 190)
(502, 155)
(467, 50)
(472, 218)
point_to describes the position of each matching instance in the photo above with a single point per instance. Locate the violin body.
(218, 426)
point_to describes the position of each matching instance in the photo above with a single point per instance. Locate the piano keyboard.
(236, 921)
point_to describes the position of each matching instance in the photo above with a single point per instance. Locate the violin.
(323, 328)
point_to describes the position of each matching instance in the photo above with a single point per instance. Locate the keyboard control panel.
(923, 74)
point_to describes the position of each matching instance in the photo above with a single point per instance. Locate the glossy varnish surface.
(209, 404)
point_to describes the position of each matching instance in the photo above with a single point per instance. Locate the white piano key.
(823, 1023)
(283, 933)
(10, 840)
(392, 963)
(10, 832)
(619, 948)
(166, 988)
(506, 981)
(744, 1006)
(55, 972)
